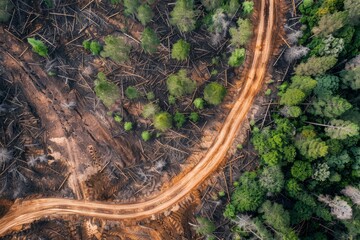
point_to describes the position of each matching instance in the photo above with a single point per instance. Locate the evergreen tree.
(38, 47)
(211, 4)
(316, 66)
(180, 50)
(150, 110)
(301, 170)
(131, 6)
(183, 15)
(326, 85)
(116, 49)
(205, 227)
(312, 148)
(241, 35)
(248, 7)
(214, 93)
(304, 83)
(351, 78)
(144, 14)
(179, 85)
(237, 57)
(329, 106)
(272, 179)
(107, 92)
(340, 129)
(353, 8)
(149, 40)
(162, 121)
(292, 97)
(330, 23)
(276, 216)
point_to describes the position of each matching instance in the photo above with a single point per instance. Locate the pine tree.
(329, 106)
(131, 6)
(108, 92)
(240, 36)
(330, 23)
(144, 14)
(340, 129)
(162, 121)
(211, 4)
(304, 83)
(292, 97)
(149, 40)
(179, 84)
(276, 216)
(316, 66)
(116, 49)
(272, 179)
(214, 93)
(183, 15)
(205, 227)
(351, 78)
(312, 148)
(326, 85)
(353, 8)
(180, 50)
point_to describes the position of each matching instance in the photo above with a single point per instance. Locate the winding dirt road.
(23, 212)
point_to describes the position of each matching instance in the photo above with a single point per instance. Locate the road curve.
(23, 212)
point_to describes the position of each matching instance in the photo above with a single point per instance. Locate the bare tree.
(339, 208)
(295, 53)
(353, 193)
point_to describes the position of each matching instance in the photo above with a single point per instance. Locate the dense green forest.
(307, 183)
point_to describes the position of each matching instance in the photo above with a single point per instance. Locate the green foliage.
(233, 6)
(107, 92)
(272, 179)
(38, 47)
(230, 211)
(172, 100)
(150, 95)
(149, 40)
(326, 85)
(353, 8)
(115, 1)
(117, 118)
(329, 106)
(301, 212)
(351, 78)
(293, 187)
(211, 4)
(237, 57)
(150, 110)
(144, 14)
(131, 6)
(291, 111)
(312, 149)
(86, 44)
(179, 85)
(340, 129)
(162, 121)
(131, 92)
(301, 170)
(95, 48)
(199, 103)
(316, 66)
(183, 16)
(116, 49)
(276, 216)
(249, 195)
(332, 46)
(304, 83)
(128, 126)
(330, 23)
(248, 7)
(339, 161)
(214, 93)
(180, 50)
(292, 97)
(5, 8)
(194, 117)
(321, 172)
(205, 227)
(146, 136)
(179, 119)
(241, 35)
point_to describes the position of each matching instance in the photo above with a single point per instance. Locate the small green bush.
(194, 117)
(128, 126)
(150, 95)
(131, 92)
(179, 119)
(162, 121)
(107, 92)
(214, 93)
(248, 7)
(180, 50)
(149, 40)
(144, 14)
(150, 110)
(178, 84)
(199, 103)
(172, 100)
(93, 46)
(146, 136)
(38, 47)
(237, 57)
(116, 49)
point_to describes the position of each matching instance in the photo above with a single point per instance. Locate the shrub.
(131, 6)
(116, 49)
(183, 15)
(248, 7)
(131, 92)
(180, 50)
(179, 119)
(172, 100)
(301, 170)
(144, 14)
(240, 36)
(128, 126)
(107, 92)
(150, 95)
(162, 121)
(178, 84)
(237, 57)
(93, 46)
(149, 40)
(194, 117)
(150, 110)
(38, 47)
(199, 103)
(145, 135)
(214, 93)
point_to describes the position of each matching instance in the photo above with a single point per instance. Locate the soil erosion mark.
(23, 212)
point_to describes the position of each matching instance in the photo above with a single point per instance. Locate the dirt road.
(23, 212)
